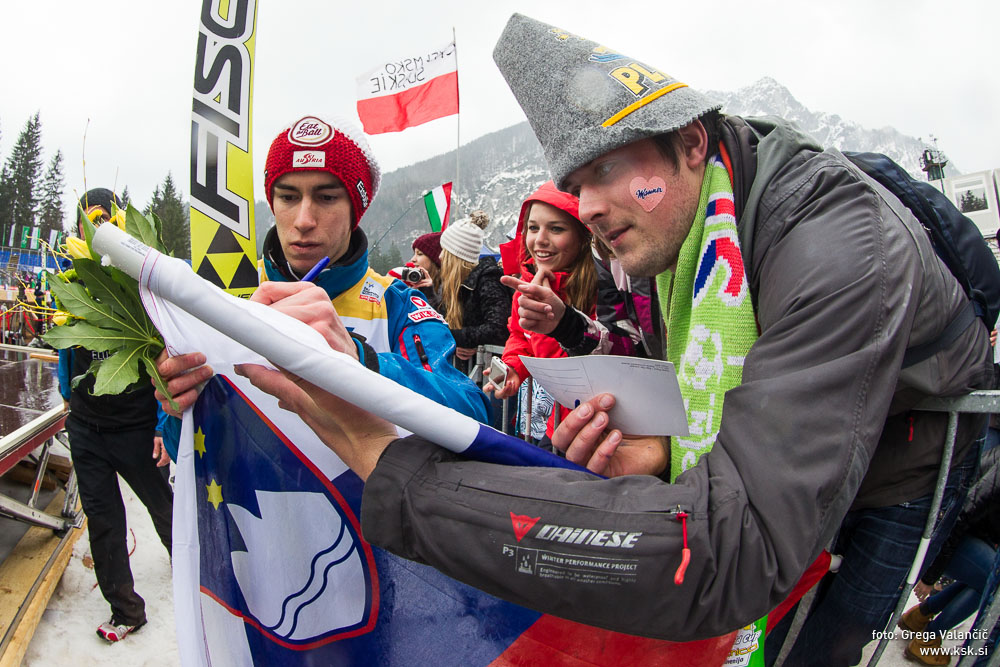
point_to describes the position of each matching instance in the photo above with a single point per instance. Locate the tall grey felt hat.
(583, 99)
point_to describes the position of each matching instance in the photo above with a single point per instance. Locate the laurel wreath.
(100, 309)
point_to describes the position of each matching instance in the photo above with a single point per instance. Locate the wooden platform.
(28, 577)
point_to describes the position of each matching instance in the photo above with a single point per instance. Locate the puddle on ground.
(28, 387)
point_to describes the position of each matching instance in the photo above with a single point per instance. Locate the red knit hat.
(338, 147)
(430, 245)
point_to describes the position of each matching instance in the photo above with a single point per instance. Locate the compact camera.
(410, 275)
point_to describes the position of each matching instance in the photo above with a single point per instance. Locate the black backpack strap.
(914, 355)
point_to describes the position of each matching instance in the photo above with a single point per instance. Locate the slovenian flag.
(409, 91)
(438, 205)
(270, 567)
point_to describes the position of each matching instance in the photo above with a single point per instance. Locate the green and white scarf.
(710, 327)
(709, 316)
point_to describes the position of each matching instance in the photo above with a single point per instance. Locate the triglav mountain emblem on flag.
(268, 516)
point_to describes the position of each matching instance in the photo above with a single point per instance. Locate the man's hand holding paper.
(587, 441)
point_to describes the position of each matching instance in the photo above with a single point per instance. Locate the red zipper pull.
(685, 552)
(420, 352)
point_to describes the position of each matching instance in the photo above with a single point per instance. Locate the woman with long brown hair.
(552, 248)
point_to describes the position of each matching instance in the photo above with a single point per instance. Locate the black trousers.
(98, 458)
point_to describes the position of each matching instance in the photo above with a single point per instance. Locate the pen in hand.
(314, 271)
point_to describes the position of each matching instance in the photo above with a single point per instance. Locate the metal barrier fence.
(979, 402)
(484, 356)
(42, 432)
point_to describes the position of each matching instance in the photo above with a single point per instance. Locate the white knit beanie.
(464, 238)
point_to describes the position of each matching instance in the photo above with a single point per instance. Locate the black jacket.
(485, 306)
(133, 409)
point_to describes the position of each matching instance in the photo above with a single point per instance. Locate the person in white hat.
(473, 302)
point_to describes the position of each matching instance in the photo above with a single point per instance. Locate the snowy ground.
(67, 629)
(67, 632)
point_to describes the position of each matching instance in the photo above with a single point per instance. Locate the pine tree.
(125, 196)
(5, 216)
(6, 211)
(383, 261)
(377, 260)
(393, 257)
(50, 214)
(174, 215)
(23, 167)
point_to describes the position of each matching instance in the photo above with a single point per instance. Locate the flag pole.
(458, 118)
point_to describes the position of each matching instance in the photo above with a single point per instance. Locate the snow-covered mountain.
(498, 170)
(768, 97)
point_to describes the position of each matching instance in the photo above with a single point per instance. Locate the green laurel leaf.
(149, 360)
(117, 303)
(142, 228)
(89, 229)
(76, 301)
(85, 335)
(118, 372)
(127, 282)
(111, 315)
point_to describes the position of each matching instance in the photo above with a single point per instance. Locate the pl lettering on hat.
(584, 99)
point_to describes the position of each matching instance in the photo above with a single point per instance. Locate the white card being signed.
(648, 398)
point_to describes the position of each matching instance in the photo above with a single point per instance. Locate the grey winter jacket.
(844, 280)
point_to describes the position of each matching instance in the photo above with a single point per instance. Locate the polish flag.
(409, 91)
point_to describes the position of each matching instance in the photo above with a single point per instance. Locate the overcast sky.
(925, 68)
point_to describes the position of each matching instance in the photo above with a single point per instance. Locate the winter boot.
(914, 620)
(112, 632)
(926, 651)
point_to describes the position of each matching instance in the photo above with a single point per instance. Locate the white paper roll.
(285, 341)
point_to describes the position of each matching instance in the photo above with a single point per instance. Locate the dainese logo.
(522, 524)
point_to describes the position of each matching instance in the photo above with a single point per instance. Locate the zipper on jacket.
(424, 361)
(682, 516)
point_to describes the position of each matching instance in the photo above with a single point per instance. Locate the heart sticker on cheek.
(649, 192)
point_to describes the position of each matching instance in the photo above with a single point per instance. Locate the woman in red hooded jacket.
(552, 248)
